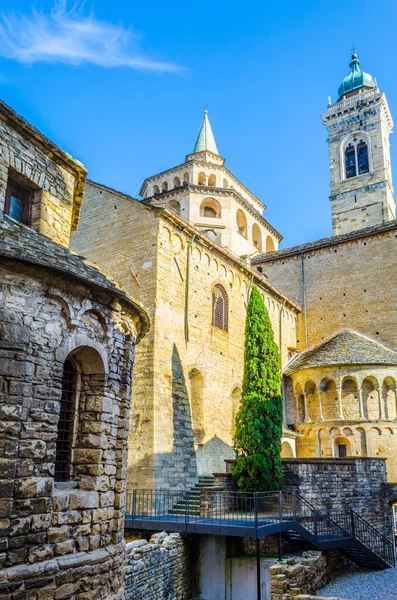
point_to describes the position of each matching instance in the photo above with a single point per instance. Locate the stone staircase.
(205, 482)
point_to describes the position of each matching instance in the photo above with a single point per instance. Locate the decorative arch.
(270, 247)
(210, 208)
(287, 450)
(220, 307)
(82, 385)
(330, 400)
(174, 206)
(313, 406)
(350, 398)
(342, 447)
(370, 395)
(257, 237)
(177, 182)
(389, 399)
(156, 190)
(186, 178)
(212, 180)
(202, 179)
(197, 403)
(165, 186)
(300, 404)
(355, 155)
(241, 220)
(362, 441)
(225, 183)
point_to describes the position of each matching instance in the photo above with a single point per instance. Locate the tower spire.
(205, 139)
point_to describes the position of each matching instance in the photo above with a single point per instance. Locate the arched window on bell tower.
(356, 157)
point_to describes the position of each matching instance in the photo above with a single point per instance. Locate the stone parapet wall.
(297, 577)
(159, 569)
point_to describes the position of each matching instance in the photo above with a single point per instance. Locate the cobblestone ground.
(363, 585)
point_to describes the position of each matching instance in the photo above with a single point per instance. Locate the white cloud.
(70, 36)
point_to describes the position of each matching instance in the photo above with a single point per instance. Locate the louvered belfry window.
(65, 423)
(220, 307)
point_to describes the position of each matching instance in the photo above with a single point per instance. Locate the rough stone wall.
(52, 184)
(62, 540)
(173, 435)
(160, 569)
(355, 483)
(305, 575)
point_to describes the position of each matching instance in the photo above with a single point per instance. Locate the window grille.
(220, 308)
(65, 423)
(18, 203)
(356, 158)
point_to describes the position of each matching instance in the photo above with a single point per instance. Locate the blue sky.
(121, 85)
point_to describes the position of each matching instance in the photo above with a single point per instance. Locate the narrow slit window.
(362, 158)
(350, 161)
(220, 308)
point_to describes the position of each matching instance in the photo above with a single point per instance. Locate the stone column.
(320, 402)
(307, 416)
(360, 400)
(339, 388)
(381, 404)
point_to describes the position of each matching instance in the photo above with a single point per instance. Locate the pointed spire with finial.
(205, 139)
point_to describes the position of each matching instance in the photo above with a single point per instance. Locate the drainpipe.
(189, 247)
(304, 298)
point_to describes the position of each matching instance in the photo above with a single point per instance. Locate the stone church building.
(191, 249)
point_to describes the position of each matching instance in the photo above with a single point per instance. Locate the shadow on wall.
(178, 469)
(211, 456)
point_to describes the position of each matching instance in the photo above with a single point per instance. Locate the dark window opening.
(18, 202)
(362, 158)
(66, 423)
(342, 450)
(220, 308)
(350, 161)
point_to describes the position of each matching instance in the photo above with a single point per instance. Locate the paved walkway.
(363, 585)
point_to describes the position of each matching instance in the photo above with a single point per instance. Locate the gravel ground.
(363, 585)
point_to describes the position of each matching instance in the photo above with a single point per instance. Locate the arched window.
(177, 182)
(356, 156)
(66, 422)
(220, 307)
(212, 180)
(210, 208)
(156, 190)
(202, 179)
(241, 223)
(175, 206)
(350, 161)
(257, 237)
(165, 186)
(186, 178)
(269, 244)
(225, 183)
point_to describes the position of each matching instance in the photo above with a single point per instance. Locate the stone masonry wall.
(297, 576)
(354, 483)
(160, 569)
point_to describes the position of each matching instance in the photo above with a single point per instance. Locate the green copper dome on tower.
(205, 139)
(356, 78)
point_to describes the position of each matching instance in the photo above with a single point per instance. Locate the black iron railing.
(193, 510)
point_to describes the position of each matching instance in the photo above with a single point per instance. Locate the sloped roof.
(345, 348)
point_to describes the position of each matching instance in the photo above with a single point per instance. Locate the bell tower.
(359, 125)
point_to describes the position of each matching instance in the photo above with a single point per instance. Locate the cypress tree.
(259, 420)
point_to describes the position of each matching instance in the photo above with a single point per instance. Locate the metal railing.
(253, 510)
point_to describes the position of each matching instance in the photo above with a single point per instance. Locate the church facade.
(190, 251)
